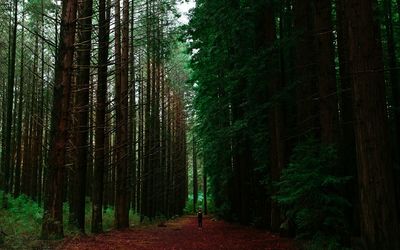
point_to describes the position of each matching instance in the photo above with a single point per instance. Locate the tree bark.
(379, 221)
(394, 82)
(81, 103)
(133, 115)
(326, 71)
(276, 117)
(101, 105)
(7, 125)
(306, 89)
(195, 179)
(346, 145)
(17, 189)
(122, 197)
(52, 225)
(205, 206)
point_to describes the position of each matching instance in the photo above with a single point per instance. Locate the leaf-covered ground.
(182, 233)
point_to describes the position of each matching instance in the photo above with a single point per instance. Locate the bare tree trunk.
(7, 125)
(133, 116)
(195, 178)
(379, 219)
(306, 89)
(276, 117)
(100, 138)
(347, 148)
(52, 226)
(17, 189)
(326, 71)
(122, 197)
(145, 196)
(33, 157)
(205, 208)
(139, 186)
(81, 103)
(394, 82)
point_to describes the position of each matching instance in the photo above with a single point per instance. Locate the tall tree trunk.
(145, 196)
(34, 121)
(168, 154)
(52, 225)
(276, 117)
(80, 159)
(133, 115)
(205, 206)
(195, 178)
(140, 138)
(164, 155)
(158, 171)
(26, 166)
(41, 111)
(17, 189)
(379, 221)
(122, 197)
(394, 82)
(326, 71)
(100, 138)
(153, 122)
(7, 125)
(306, 92)
(347, 148)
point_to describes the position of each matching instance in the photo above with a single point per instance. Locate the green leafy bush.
(310, 192)
(20, 223)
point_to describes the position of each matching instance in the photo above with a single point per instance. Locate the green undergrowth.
(311, 193)
(20, 223)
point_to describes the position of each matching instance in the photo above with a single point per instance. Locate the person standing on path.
(200, 218)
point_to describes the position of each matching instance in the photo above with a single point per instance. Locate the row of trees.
(296, 102)
(93, 107)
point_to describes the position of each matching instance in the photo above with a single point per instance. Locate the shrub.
(310, 193)
(20, 223)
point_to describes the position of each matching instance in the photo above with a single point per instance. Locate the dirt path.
(182, 234)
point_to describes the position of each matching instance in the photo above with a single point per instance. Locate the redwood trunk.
(379, 221)
(6, 152)
(276, 117)
(326, 71)
(122, 197)
(100, 138)
(78, 174)
(347, 154)
(306, 90)
(52, 226)
(195, 179)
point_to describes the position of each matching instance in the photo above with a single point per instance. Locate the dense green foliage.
(311, 193)
(224, 63)
(275, 116)
(20, 224)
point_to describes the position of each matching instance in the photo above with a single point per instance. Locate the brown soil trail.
(184, 234)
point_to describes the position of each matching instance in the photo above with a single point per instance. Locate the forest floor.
(182, 233)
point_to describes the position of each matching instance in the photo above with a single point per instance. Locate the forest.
(123, 119)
